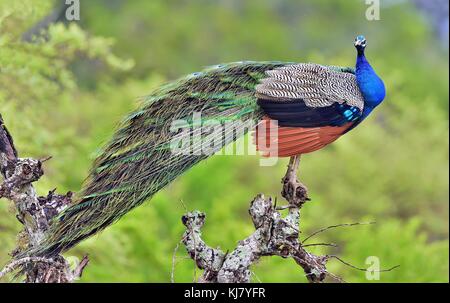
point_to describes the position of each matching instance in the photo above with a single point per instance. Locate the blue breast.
(371, 86)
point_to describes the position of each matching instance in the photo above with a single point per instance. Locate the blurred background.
(63, 91)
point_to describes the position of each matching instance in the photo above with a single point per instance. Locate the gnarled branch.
(275, 235)
(34, 212)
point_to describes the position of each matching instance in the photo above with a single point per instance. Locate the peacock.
(312, 104)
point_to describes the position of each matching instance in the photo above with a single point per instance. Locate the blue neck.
(371, 86)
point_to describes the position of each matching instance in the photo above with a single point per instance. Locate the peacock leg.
(293, 190)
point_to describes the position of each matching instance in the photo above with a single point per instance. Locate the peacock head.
(360, 43)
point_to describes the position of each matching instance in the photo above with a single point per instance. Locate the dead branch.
(275, 235)
(35, 213)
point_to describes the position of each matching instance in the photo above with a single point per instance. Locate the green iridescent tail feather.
(138, 161)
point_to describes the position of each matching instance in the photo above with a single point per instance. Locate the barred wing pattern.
(310, 95)
(317, 85)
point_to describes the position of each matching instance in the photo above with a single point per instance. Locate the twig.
(184, 205)
(45, 159)
(17, 263)
(360, 268)
(320, 244)
(256, 277)
(78, 271)
(174, 257)
(334, 226)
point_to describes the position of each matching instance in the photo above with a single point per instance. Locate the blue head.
(371, 86)
(360, 43)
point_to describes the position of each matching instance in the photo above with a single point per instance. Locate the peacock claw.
(293, 190)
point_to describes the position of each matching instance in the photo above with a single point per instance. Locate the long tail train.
(138, 161)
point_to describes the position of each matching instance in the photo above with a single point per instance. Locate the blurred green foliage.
(63, 96)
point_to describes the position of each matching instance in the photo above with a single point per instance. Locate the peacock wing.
(310, 95)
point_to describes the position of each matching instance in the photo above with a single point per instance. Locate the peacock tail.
(138, 161)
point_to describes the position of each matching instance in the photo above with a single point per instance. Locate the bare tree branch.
(275, 235)
(34, 212)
